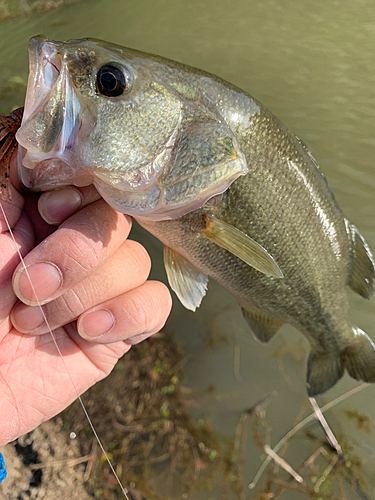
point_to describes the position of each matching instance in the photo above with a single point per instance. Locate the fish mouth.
(53, 118)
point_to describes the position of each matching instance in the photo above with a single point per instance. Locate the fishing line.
(123, 489)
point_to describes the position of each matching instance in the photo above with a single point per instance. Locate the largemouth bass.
(225, 186)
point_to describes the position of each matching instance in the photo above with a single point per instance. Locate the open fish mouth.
(53, 116)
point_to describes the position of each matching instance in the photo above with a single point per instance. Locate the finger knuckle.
(139, 311)
(165, 304)
(81, 252)
(72, 304)
(159, 305)
(140, 256)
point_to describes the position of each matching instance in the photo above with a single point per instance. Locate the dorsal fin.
(362, 279)
(262, 326)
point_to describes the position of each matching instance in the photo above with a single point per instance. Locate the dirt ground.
(27, 477)
(143, 423)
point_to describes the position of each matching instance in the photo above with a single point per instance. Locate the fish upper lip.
(59, 59)
(43, 53)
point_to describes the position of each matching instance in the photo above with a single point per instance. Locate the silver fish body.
(226, 187)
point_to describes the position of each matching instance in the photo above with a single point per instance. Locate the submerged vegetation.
(161, 452)
(140, 412)
(324, 475)
(18, 8)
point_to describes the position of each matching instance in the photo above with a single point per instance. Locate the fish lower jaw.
(52, 173)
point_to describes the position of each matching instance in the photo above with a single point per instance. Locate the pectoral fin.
(186, 281)
(262, 326)
(242, 246)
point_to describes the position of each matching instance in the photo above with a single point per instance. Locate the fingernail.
(136, 339)
(94, 324)
(26, 318)
(56, 206)
(37, 283)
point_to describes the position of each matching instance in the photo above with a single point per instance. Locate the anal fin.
(262, 326)
(189, 284)
(362, 279)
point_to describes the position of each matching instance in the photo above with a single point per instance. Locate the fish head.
(139, 127)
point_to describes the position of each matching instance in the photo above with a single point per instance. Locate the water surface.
(312, 64)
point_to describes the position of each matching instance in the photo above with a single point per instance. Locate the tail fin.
(324, 370)
(359, 357)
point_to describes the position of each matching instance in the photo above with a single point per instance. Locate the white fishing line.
(123, 489)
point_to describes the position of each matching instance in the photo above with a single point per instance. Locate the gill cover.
(152, 151)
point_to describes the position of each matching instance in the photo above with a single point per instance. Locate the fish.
(230, 192)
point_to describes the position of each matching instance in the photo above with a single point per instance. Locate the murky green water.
(312, 64)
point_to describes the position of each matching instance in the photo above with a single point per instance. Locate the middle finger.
(127, 269)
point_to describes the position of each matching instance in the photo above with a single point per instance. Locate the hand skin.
(95, 297)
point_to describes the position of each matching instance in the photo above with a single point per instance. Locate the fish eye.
(112, 80)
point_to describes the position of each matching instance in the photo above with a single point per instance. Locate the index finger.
(69, 255)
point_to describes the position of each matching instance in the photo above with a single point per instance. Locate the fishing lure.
(8, 143)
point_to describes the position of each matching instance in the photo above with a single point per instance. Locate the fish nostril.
(81, 54)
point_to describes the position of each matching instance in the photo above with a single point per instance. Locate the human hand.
(85, 271)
